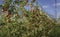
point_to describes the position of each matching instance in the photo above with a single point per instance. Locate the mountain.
(0, 8)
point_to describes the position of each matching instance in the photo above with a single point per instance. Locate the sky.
(0, 1)
(48, 6)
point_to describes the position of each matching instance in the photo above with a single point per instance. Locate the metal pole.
(55, 10)
(55, 15)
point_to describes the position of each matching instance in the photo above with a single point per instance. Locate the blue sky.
(48, 6)
(0, 1)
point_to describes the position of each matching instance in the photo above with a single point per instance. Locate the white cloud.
(57, 4)
(45, 6)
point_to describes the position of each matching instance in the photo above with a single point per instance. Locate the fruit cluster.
(8, 16)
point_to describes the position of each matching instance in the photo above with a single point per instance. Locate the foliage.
(32, 23)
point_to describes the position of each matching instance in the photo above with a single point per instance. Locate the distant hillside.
(0, 5)
(0, 8)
